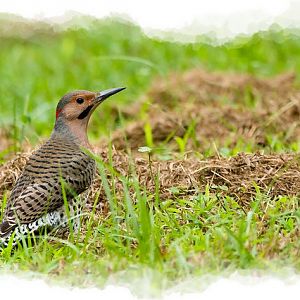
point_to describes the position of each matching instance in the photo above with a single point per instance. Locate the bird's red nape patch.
(58, 111)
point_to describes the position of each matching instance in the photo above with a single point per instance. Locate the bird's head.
(79, 105)
(74, 110)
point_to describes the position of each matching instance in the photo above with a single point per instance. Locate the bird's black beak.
(107, 93)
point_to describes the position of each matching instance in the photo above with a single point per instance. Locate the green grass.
(203, 233)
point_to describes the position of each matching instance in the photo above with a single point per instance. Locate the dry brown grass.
(237, 176)
(217, 104)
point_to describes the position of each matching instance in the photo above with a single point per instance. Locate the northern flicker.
(37, 198)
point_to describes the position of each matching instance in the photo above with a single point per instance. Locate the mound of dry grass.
(204, 87)
(240, 176)
(224, 107)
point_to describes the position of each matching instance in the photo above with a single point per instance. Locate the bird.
(59, 170)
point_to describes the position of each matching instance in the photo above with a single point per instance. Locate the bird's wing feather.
(38, 189)
(35, 199)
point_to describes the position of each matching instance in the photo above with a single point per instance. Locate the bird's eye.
(79, 100)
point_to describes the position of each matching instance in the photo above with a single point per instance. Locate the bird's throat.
(75, 130)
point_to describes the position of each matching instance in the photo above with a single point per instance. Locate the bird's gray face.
(80, 105)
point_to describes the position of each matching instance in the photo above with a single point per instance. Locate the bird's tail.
(6, 230)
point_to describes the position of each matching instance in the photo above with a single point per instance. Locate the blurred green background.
(40, 63)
